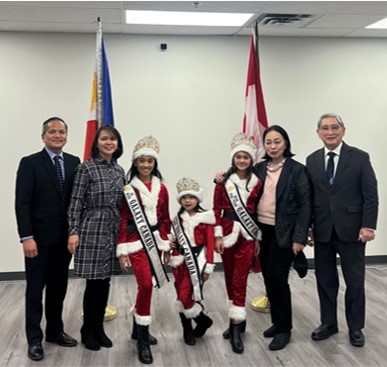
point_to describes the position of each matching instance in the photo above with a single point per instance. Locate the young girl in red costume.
(143, 236)
(236, 231)
(192, 259)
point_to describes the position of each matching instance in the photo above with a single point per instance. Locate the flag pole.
(256, 39)
(99, 68)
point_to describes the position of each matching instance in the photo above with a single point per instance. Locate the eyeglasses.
(331, 127)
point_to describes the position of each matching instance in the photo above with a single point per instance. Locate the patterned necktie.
(330, 167)
(58, 169)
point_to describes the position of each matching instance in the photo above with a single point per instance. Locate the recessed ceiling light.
(380, 24)
(186, 18)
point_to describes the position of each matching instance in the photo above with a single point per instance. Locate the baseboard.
(19, 275)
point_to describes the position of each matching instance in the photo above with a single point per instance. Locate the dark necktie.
(330, 167)
(58, 169)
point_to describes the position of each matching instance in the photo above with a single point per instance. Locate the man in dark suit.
(43, 187)
(345, 210)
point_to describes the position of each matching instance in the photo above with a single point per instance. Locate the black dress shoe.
(270, 332)
(324, 332)
(280, 341)
(62, 339)
(35, 351)
(356, 338)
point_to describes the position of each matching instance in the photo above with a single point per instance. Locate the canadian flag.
(255, 119)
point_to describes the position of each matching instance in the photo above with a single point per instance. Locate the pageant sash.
(240, 209)
(147, 238)
(195, 263)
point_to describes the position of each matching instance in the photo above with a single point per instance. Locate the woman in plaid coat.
(93, 217)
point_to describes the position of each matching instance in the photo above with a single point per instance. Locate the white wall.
(190, 98)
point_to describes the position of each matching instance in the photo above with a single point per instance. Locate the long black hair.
(250, 171)
(133, 171)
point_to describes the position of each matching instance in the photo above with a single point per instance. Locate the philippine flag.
(101, 109)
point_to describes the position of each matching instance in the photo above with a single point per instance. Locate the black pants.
(95, 300)
(275, 264)
(352, 257)
(48, 270)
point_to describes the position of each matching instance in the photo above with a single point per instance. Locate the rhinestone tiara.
(187, 184)
(148, 142)
(242, 139)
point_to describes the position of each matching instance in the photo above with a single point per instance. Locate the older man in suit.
(43, 187)
(345, 210)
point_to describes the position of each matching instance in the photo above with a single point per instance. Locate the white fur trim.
(121, 249)
(192, 312)
(243, 148)
(209, 268)
(149, 198)
(241, 184)
(191, 222)
(176, 261)
(143, 320)
(237, 313)
(145, 151)
(128, 248)
(179, 306)
(218, 231)
(232, 237)
(198, 194)
(162, 245)
(206, 217)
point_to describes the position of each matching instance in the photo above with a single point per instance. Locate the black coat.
(41, 207)
(293, 202)
(351, 202)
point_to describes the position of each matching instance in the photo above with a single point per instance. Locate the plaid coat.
(94, 215)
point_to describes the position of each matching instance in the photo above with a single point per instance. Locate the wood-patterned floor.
(211, 350)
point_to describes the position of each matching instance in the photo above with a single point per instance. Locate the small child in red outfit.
(192, 259)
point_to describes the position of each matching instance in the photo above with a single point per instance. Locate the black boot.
(88, 337)
(242, 327)
(152, 339)
(203, 323)
(235, 338)
(144, 351)
(99, 330)
(188, 333)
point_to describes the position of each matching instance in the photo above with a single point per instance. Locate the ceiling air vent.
(285, 20)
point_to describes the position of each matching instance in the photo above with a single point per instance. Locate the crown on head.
(147, 146)
(187, 184)
(148, 142)
(242, 139)
(244, 143)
